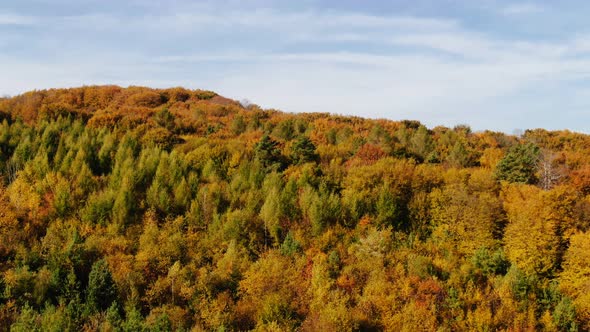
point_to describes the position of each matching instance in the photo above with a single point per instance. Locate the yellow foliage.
(539, 222)
(574, 280)
(272, 290)
(464, 216)
(490, 157)
(23, 197)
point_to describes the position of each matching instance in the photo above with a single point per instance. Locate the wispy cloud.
(262, 19)
(439, 70)
(15, 19)
(522, 9)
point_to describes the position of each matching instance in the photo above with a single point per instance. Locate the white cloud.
(414, 86)
(431, 69)
(15, 19)
(522, 9)
(309, 20)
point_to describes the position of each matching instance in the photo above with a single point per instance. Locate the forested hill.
(137, 209)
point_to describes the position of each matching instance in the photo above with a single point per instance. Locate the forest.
(139, 209)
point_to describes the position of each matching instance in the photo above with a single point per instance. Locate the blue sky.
(500, 65)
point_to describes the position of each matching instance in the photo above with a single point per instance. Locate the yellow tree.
(575, 278)
(539, 224)
(272, 292)
(466, 212)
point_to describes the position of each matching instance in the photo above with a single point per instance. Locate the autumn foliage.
(138, 209)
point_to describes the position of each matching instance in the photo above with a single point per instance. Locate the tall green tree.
(520, 164)
(101, 291)
(304, 151)
(267, 152)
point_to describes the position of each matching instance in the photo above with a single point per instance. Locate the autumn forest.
(139, 209)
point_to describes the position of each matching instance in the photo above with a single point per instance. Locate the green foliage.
(204, 94)
(303, 151)
(459, 156)
(101, 291)
(267, 152)
(162, 324)
(133, 321)
(321, 207)
(422, 144)
(99, 207)
(123, 204)
(389, 208)
(290, 246)
(113, 315)
(285, 130)
(165, 119)
(238, 125)
(28, 320)
(490, 263)
(519, 164)
(565, 315)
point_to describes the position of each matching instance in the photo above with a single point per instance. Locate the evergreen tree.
(304, 151)
(519, 164)
(290, 246)
(267, 152)
(101, 291)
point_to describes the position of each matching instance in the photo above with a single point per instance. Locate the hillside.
(127, 209)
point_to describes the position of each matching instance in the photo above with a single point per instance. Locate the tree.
(238, 125)
(28, 321)
(459, 156)
(539, 225)
(421, 143)
(304, 151)
(101, 291)
(574, 280)
(520, 164)
(322, 208)
(550, 172)
(271, 291)
(290, 245)
(466, 218)
(271, 214)
(165, 119)
(388, 208)
(267, 151)
(123, 203)
(285, 130)
(133, 321)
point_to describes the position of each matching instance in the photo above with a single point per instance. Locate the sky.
(490, 64)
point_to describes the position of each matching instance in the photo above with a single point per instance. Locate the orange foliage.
(369, 153)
